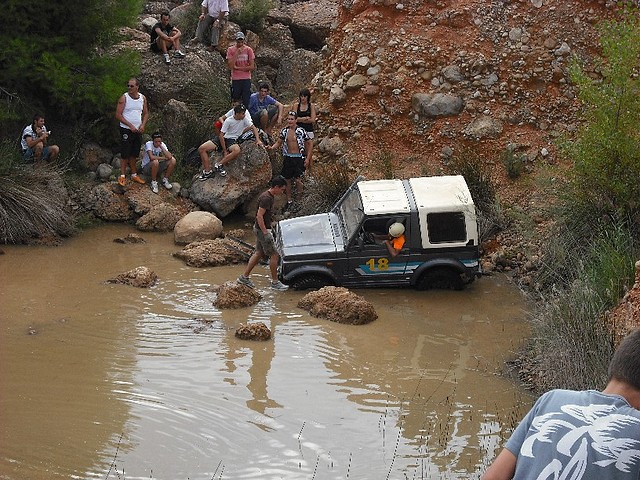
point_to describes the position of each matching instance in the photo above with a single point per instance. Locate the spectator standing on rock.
(581, 435)
(306, 112)
(265, 110)
(132, 112)
(292, 138)
(241, 61)
(265, 247)
(33, 142)
(158, 159)
(213, 17)
(164, 37)
(227, 142)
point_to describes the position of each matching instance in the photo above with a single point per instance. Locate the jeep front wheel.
(440, 278)
(310, 280)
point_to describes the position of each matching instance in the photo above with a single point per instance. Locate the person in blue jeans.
(34, 142)
(581, 435)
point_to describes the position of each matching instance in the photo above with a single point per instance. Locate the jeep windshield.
(350, 212)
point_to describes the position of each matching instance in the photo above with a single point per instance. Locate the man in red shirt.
(241, 61)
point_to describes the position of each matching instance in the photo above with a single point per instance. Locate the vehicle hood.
(312, 234)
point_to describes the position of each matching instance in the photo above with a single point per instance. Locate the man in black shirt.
(164, 37)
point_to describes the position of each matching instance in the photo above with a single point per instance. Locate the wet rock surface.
(253, 331)
(338, 305)
(235, 295)
(213, 253)
(141, 277)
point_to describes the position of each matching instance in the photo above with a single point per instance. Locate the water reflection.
(154, 383)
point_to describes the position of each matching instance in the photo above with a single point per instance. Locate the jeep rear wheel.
(440, 278)
(310, 280)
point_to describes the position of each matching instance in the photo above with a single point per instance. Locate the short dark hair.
(37, 117)
(305, 92)
(165, 14)
(264, 85)
(625, 364)
(239, 108)
(155, 135)
(278, 181)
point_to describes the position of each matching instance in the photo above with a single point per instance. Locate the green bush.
(383, 162)
(491, 218)
(252, 14)
(513, 163)
(326, 187)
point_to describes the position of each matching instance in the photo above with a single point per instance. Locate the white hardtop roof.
(441, 193)
(438, 193)
(383, 196)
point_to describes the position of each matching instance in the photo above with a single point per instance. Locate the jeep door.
(369, 263)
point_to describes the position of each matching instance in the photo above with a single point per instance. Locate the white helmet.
(396, 229)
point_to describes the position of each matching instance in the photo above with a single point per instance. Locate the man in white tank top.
(132, 113)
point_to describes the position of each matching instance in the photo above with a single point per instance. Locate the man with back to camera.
(581, 435)
(33, 142)
(265, 247)
(164, 37)
(266, 111)
(241, 61)
(132, 112)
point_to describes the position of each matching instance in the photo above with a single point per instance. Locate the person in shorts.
(306, 119)
(265, 247)
(164, 37)
(132, 113)
(33, 142)
(158, 159)
(292, 138)
(266, 111)
(241, 61)
(227, 142)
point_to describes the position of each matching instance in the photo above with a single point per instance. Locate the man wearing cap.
(241, 61)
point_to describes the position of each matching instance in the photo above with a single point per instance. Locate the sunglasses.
(131, 86)
(292, 114)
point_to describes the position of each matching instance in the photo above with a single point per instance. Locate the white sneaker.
(166, 58)
(154, 186)
(166, 183)
(279, 286)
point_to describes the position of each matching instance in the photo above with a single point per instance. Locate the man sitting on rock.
(34, 142)
(164, 37)
(227, 142)
(157, 159)
(266, 111)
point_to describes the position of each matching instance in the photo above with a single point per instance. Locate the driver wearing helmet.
(396, 239)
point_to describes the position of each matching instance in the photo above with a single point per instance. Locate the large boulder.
(196, 226)
(484, 127)
(161, 218)
(338, 305)
(247, 177)
(235, 295)
(92, 155)
(296, 70)
(312, 21)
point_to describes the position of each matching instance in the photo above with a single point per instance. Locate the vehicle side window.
(446, 227)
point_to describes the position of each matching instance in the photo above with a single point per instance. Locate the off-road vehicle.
(345, 247)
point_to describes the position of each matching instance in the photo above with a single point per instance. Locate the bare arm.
(260, 220)
(392, 251)
(502, 468)
(120, 117)
(145, 114)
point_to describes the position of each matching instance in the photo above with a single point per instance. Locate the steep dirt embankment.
(506, 60)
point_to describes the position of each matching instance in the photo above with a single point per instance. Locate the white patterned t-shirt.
(578, 435)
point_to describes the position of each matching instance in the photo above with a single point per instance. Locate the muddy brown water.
(109, 381)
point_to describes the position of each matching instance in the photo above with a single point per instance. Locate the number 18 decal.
(381, 264)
